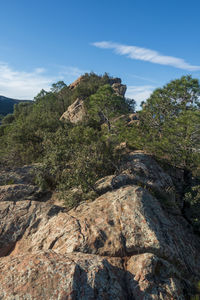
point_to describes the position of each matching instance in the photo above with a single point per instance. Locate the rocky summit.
(132, 242)
(76, 111)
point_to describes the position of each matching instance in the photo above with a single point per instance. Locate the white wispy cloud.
(139, 93)
(145, 54)
(22, 85)
(26, 85)
(71, 71)
(144, 78)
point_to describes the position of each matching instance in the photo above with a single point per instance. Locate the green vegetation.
(7, 105)
(171, 122)
(75, 156)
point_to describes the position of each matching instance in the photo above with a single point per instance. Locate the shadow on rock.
(102, 282)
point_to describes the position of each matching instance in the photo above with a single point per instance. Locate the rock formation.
(76, 112)
(74, 84)
(132, 242)
(120, 89)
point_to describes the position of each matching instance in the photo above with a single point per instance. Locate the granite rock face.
(76, 111)
(48, 275)
(129, 243)
(140, 169)
(120, 89)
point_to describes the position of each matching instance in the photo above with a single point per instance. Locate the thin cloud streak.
(144, 78)
(144, 54)
(26, 85)
(22, 85)
(72, 71)
(139, 93)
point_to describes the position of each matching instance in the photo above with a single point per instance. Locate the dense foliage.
(73, 156)
(170, 129)
(171, 122)
(7, 105)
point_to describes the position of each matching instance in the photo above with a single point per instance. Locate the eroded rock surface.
(17, 192)
(130, 243)
(141, 169)
(147, 272)
(75, 112)
(48, 275)
(120, 89)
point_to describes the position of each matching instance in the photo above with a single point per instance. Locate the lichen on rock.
(124, 245)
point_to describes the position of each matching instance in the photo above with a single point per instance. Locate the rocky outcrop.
(48, 275)
(75, 112)
(130, 243)
(133, 119)
(140, 169)
(74, 84)
(115, 83)
(119, 89)
(17, 192)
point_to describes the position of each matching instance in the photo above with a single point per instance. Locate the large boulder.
(52, 276)
(74, 84)
(141, 169)
(17, 192)
(151, 277)
(130, 243)
(121, 223)
(119, 89)
(75, 112)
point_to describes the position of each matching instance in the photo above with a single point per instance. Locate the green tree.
(181, 139)
(170, 123)
(58, 86)
(40, 95)
(105, 104)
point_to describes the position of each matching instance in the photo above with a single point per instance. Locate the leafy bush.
(74, 156)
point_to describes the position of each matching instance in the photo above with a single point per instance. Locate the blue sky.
(146, 43)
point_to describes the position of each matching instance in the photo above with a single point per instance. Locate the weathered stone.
(16, 218)
(48, 275)
(120, 223)
(133, 119)
(141, 169)
(74, 84)
(75, 112)
(105, 184)
(117, 80)
(128, 222)
(120, 89)
(150, 277)
(17, 192)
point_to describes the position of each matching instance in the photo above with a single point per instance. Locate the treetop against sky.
(146, 43)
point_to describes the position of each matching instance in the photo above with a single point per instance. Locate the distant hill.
(7, 105)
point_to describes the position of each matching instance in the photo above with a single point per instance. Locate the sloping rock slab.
(48, 275)
(150, 277)
(75, 112)
(16, 218)
(138, 168)
(124, 222)
(17, 192)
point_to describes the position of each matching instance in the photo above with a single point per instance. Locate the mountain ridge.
(7, 104)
